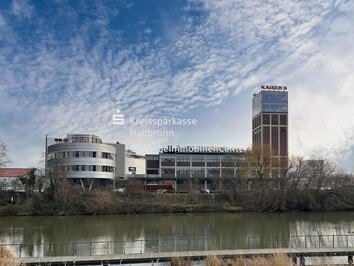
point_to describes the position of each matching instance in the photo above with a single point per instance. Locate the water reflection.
(54, 236)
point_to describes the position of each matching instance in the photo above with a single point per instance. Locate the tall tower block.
(270, 126)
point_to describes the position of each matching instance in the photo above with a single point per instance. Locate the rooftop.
(14, 172)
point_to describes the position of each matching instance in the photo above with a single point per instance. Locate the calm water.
(162, 232)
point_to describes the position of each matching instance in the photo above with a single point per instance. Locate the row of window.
(200, 158)
(89, 168)
(81, 154)
(267, 119)
(81, 139)
(202, 164)
(198, 172)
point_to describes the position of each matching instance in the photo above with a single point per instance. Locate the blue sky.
(66, 66)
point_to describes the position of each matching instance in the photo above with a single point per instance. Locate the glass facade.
(274, 101)
(269, 101)
(196, 166)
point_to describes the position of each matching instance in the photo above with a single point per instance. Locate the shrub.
(9, 210)
(101, 202)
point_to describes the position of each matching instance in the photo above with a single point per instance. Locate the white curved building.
(83, 157)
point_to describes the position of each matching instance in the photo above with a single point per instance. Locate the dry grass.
(212, 260)
(275, 260)
(6, 258)
(176, 261)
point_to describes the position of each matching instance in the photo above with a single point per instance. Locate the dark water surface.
(168, 232)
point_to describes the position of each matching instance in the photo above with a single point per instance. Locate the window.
(213, 160)
(183, 160)
(182, 172)
(92, 154)
(198, 172)
(152, 157)
(167, 172)
(283, 141)
(105, 155)
(258, 120)
(266, 119)
(213, 172)
(275, 136)
(227, 161)
(77, 154)
(75, 167)
(83, 167)
(275, 120)
(152, 171)
(198, 158)
(96, 140)
(58, 155)
(80, 139)
(283, 120)
(266, 135)
(168, 160)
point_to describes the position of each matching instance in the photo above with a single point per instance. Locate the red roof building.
(10, 178)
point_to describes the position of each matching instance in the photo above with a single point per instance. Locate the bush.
(9, 210)
(102, 202)
(230, 208)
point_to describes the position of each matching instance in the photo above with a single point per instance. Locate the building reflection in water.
(85, 235)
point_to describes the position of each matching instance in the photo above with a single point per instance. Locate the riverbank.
(110, 203)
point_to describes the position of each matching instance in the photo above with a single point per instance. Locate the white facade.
(134, 164)
(82, 156)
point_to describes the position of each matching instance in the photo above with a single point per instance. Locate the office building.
(81, 158)
(128, 162)
(270, 127)
(84, 157)
(194, 168)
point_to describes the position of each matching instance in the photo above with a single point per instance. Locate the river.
(164, 232)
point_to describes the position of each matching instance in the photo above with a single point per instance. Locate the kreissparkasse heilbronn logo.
(118, 118)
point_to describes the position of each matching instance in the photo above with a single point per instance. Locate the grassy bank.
(75, 201)
(104, 203)
(275, 260)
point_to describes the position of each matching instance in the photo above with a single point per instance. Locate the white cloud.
(237, 46)
(22, 8)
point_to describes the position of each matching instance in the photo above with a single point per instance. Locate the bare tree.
(63, 192)
(257, 162)
(316, 174)
(4, 159)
